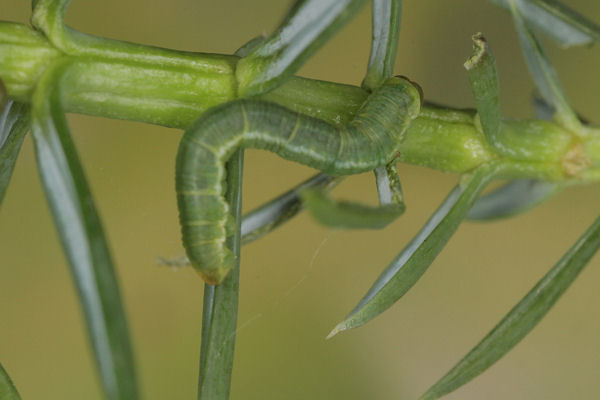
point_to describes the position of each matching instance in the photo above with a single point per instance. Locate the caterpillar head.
(416, 85)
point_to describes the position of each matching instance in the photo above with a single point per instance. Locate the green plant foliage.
(513, 198)
(348, 215)
(417, 256)
(82, 237)
(14, 123)
(251, 99)
(386, 31)
(483, 77)
(7, 388)
(281, 209)
(562, 24)
(308, 26)
(523, 317)
(543, 73)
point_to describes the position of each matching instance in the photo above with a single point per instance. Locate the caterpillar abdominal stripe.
(370, 140)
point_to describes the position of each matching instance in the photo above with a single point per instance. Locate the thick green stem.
(219, 318)
(172, 88)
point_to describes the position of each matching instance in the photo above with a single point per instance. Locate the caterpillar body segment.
(368, 141)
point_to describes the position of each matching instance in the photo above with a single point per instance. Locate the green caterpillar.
(370, 140)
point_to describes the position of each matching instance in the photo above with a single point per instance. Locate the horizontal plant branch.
(137, 84)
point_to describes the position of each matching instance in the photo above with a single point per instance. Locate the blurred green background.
(300, 281)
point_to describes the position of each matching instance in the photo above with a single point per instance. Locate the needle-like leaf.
(542, 109)
(310, 24)
(523, 317)
(387, 15)
(513, 198)
(557, 21)
(349, 215)
(418, 255)
(8, 391)
(48, 16)
(82, 237)
(542, 71)
(389, 188)
(483, 77)
(14, 124)
(249, 46)
(281, 209)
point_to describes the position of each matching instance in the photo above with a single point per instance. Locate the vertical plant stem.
(219, 318)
